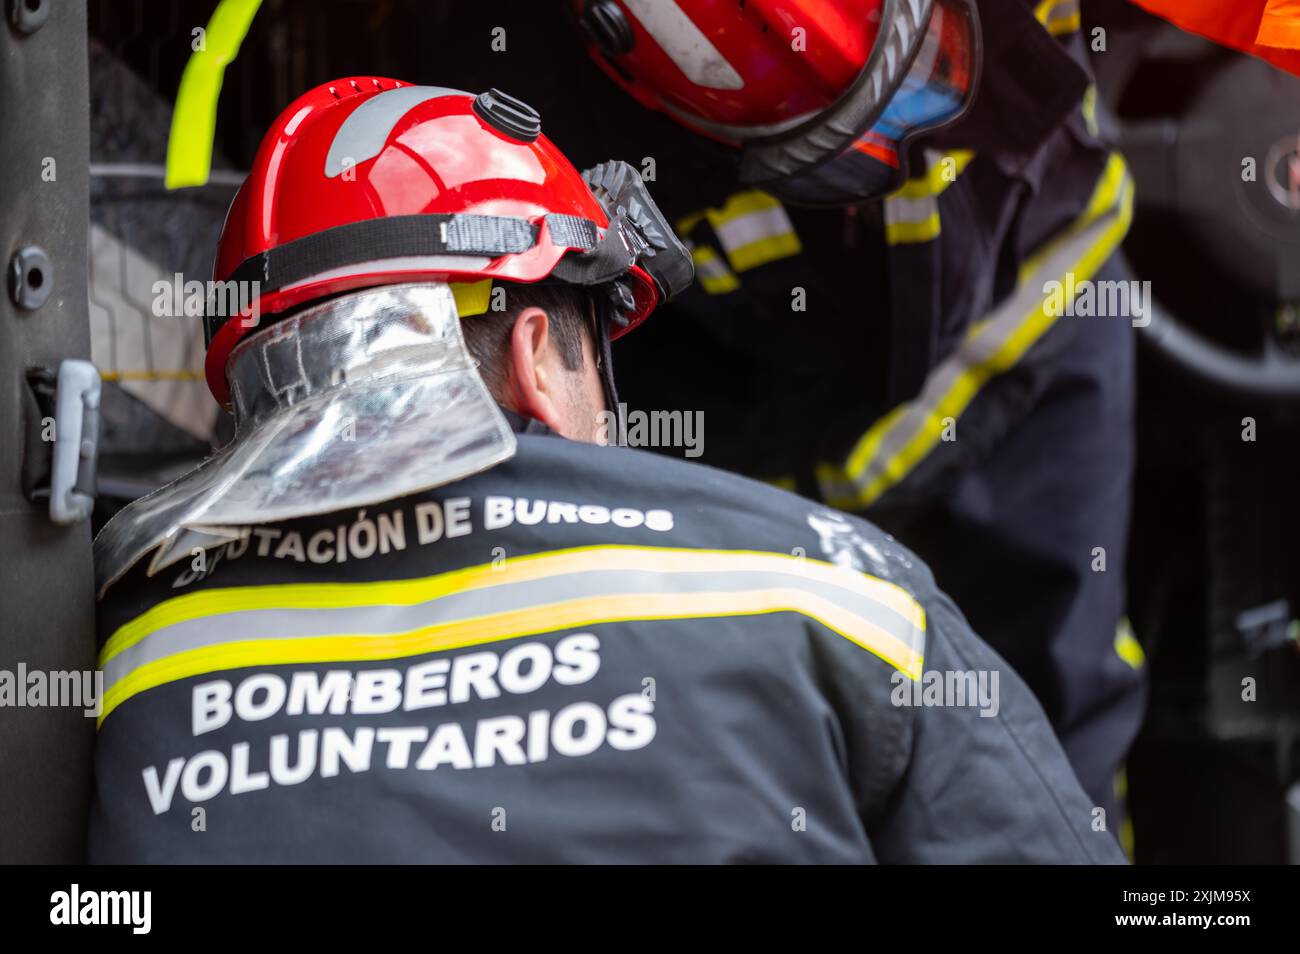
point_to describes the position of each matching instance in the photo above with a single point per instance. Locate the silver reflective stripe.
(978, 351)
(753, 227)
(685, 44)
(902, 209)
(364, 133)
(912, 212)
(711, 267)
(385, 620)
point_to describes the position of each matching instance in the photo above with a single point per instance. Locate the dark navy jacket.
(585, 654)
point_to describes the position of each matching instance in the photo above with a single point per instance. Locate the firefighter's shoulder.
(777, 547)
(710, 504)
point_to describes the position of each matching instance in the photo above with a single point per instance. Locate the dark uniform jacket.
(585, 654)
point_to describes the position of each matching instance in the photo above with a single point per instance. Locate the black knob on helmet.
(608, 28)
(508, 115)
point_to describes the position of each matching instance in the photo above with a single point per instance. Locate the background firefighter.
(879, 200)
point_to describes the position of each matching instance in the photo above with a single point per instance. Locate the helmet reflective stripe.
(679, 37)
(364, 133)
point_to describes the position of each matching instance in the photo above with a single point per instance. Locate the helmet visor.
(936, 90)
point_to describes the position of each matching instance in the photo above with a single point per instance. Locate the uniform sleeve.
(985, 781)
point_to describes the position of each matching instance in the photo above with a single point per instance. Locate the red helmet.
(368, 181)
(821, 96)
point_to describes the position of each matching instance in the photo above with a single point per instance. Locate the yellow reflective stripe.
(764, 250)
(1059, 17)
(687, 225)
(741, 203)
(472, 298)
(910, 233)
(152, 376)
(194, 118)
(912, 211)
(872, 613)
(712, 272)
(1126, 645)
(968, 384)
(1126, 841)
(753, 229)
(1114, 189)
(203, 603)
(942, 170)
(852, 486)
(720, 285)
(458, 634)
(870, 444)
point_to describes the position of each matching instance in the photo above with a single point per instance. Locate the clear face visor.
(936, 90)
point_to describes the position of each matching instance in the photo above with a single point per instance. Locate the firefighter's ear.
(535, 369)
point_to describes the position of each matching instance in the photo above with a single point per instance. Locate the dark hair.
(488, 335)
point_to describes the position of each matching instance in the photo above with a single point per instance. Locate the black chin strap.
(604, 356)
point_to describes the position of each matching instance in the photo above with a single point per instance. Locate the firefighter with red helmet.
(413, 611)
(898, 190)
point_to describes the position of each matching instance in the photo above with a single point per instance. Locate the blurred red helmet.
(821, 96)
(368, 181)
